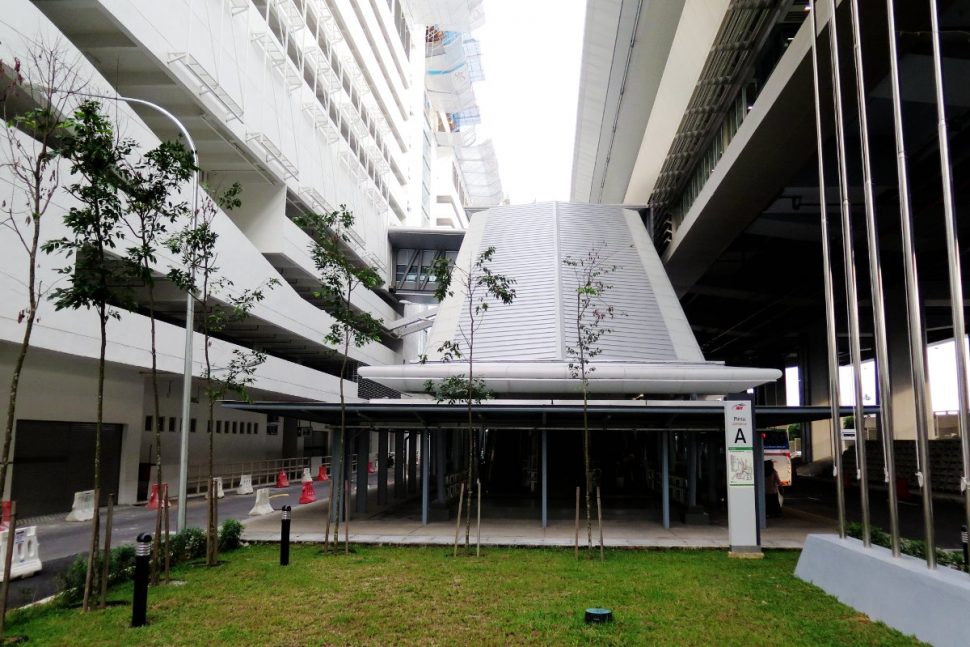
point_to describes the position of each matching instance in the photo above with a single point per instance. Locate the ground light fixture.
(598, 616)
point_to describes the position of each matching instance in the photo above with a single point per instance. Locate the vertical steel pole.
(876, 288)
(956, 275)
(827, 270)
(545, 478)
(852, 296)
(917, 347)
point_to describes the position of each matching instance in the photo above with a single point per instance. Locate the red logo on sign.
(739, 407)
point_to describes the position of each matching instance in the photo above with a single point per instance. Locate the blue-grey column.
(382, 467)
(545, 478)
(400, 459)
(363, 452)
(439, 466)
(665, 476)
(425, 475)
(759, 479)
(412, 462)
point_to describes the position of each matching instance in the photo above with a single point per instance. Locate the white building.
(308, 104)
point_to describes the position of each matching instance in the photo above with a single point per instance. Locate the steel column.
(382, 467)
(827, 271)
(665, 476)
(956, 283)
(425, 475)
(852, 295)
(544, 470)
(917, 346)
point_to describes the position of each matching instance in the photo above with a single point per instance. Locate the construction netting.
(453, 64)
(479, 169)
(455, 15)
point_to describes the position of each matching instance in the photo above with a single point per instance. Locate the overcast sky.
(531, 51)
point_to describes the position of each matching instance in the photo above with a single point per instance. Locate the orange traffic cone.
(5, 516)
(309, 495)
(370, 467)
(281, 480)
(154, 499)
(322, 474)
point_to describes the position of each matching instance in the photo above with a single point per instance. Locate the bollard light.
(139, 602)
(285, 536)
(598, 615)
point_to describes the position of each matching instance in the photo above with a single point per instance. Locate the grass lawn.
(400, 596)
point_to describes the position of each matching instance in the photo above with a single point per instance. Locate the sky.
(940, 367)
(531, 51)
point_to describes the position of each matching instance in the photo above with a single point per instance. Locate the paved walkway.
(403, 526)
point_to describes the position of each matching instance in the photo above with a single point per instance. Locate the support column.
(363, 453)
(692, 470)
(439, 466)
(425, 475)
(412, 462)
(382, 467)
(818, 445)
(400, 457)
(665, 476)
(544, 470)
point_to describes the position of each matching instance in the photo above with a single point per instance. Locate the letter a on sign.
(739, 437)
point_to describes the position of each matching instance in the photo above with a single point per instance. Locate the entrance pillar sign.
(741, 468)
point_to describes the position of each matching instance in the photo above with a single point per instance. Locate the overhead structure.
(456, 15)
(523, 347)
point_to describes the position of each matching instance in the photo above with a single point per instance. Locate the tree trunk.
(471, 433)
(89, 576)
(163, 503)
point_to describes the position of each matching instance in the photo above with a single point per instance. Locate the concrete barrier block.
(83, 507)
(26, 553)
(900, 591)
(263, 505)
(245, 484)
(220, 492)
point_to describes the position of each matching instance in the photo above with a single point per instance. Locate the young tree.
(219, 306)
(592, 310)
(48, 80)
(151, 183)
(479, 286)
(340, 274)
(92, 279)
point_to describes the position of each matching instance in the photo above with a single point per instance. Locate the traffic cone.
(153, 499)
(322, 474)
(281, 480)
(5, 518)
(370, 467)
(309, 495)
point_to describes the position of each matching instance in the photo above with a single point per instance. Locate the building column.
(425, 475)
(412, 463)
(665, 477)
(363, 453)
(382, 467)
(400, 457)
(900, 367)
(544, 471)
(439, 466)
(815, 376)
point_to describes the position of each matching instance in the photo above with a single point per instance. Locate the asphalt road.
(60, 542)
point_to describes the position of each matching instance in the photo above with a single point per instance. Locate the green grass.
(423, 596)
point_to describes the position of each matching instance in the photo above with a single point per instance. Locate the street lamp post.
(189, 309)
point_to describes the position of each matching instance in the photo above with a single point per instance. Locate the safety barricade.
(263, 505)
(26, 552)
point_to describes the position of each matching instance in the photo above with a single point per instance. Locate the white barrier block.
(220, 493)
(262, 503)
(26, 553)
(306, 476)
(245, 484)
(83, 507)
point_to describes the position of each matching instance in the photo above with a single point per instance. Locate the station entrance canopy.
(643, 415)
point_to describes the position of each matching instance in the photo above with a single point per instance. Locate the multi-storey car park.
(308, 105)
